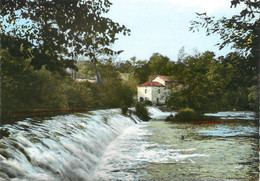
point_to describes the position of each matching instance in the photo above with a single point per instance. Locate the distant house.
(155, 90)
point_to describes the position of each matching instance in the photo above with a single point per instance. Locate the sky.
(162, 26)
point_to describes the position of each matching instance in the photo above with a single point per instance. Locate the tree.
(240, 79)
(23, 88)
(125, 67)
(85, 69)
(160, 65)
(199, 89)
(206, 83)
(113, 92)
(182, 54)
(142, 71)
(241, 30)
(60, 30)
(116, 95)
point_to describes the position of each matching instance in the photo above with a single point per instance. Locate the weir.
(62, 148)
(105, 145)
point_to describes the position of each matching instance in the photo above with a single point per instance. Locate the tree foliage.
(26, 89)
(241, 30)
(207, 84)
(143, 69)
(160, 65)
(141, 111)
(187, 114)
(197, 92)
(60, 30)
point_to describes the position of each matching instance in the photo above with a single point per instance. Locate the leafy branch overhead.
(241, 30)
(61, 29)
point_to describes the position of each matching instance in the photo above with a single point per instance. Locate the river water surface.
(158, 150)
(105, 145)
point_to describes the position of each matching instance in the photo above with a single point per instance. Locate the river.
(105, 145)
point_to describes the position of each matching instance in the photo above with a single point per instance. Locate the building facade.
(155, 90)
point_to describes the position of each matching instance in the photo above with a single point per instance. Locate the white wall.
(152, 94)
(158, 79)
(141, 93)
(161, 95)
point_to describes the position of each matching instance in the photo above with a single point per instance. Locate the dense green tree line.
(24, 88)
(41, 39)
(35, 59)
(142, 70)
(206, 83)
(203, 81)
(240, 69)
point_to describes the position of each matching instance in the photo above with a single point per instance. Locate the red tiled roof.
(156, 84)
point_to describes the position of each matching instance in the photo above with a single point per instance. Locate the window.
(146, 99)
(159, 91)
(145, 91)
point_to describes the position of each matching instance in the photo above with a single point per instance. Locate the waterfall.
(61, 148)
(156, 113)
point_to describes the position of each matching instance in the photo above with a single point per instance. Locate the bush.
(124, 110)
(187, 114)
(170, 118)
(141, 111)
(114, 94)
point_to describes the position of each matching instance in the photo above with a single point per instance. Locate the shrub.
(115, 94)
(170, 118)
(124, 110)
(187, 114)
(141, 111)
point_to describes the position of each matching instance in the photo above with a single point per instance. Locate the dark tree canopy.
(160, 65)
(61, 29)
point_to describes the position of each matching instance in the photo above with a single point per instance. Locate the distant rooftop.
(149, 84)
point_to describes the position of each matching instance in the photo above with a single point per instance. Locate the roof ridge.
(151, 83)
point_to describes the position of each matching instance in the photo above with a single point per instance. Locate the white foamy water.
(132, 150)
(226, 131)
(156, 113)
(62, 148)
(130, 156)
(105, 145)
(234, 115)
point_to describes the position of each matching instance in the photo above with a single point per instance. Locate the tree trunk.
(98, 76)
